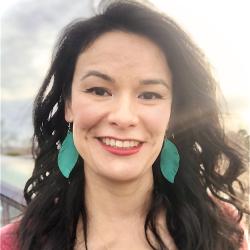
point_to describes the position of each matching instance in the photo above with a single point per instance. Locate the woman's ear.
(68, 112)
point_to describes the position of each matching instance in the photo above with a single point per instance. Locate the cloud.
(29, 31)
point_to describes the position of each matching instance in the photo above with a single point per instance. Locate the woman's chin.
(121, 174)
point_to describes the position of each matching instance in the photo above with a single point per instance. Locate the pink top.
(8, 237)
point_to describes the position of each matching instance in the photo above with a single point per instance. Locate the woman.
(128, 144)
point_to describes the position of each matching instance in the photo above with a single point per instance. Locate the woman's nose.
(123, 113)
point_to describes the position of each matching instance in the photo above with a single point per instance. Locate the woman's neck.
(116, 212)
(110, 202)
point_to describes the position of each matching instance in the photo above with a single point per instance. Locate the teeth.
(126, 144)
(107, 141)
(119, 144)
(112, 142)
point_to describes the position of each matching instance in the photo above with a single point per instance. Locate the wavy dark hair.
(194, 216)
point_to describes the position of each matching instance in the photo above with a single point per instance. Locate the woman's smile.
(120, 147)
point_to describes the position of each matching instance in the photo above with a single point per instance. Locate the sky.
(29, 30)
(221, 29)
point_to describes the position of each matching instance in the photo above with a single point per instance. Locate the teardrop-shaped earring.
(67, 156)
(169, 160)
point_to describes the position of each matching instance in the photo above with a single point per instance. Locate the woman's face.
(120, 105)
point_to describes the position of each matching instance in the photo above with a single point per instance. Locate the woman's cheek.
(157, 119)
(87, 115)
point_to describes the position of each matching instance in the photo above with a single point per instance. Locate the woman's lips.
(121, 151)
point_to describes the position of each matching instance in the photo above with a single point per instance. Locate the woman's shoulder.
(231, 212)
(8, 236)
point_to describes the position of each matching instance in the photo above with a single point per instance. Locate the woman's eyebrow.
(155, 81)
(112, 80)
(98, 74)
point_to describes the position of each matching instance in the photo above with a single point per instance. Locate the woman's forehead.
(122, 50)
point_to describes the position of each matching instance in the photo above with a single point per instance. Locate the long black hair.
(194, 216)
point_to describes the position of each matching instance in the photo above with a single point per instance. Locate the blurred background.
(29, 29)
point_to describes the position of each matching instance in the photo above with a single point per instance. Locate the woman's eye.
(98, 91)
(150, 96)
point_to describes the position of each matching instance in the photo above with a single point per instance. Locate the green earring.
(169, 160)
(67, 156)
